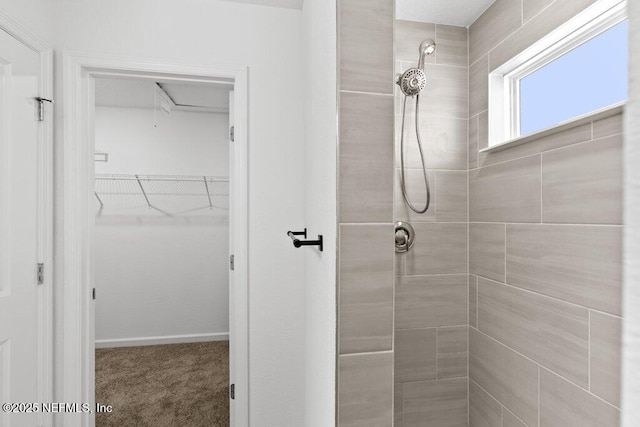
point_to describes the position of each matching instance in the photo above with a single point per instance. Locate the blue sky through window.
(592, 76)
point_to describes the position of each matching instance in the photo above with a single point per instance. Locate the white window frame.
(504, 82)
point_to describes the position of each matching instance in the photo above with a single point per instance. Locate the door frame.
(45, 210)
(78, 326)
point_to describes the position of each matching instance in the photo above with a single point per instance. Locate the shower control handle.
(404, 236)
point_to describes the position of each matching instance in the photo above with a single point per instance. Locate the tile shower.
(507, 311)
(431, 285)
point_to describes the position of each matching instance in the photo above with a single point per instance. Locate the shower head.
(413, 81)
(427, 48)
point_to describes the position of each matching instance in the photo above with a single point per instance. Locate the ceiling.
(461, 13)
(289, 4)
(450, 12)
(141, 93)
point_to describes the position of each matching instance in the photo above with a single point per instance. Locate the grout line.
(477, 305)
(366, 223)
(540, 366)
(437, 373)
(432, 170)
(468, 398)
(432, 116)
(435, 39)
(538, 395)
(402, 386)
(615, 316)
(396, 260)
(366, 93)
(542, 10)
(478, 114)
(537, 293)
(581, 388)
(508, 160)
(508, 36)
(468, 310)
(541, 190)
(589, 353)
(431, 380)
(557, 224)
(436, 275)
(477, 60)
(476, 155)
(405, 63)
(517, 417)
(468, 46)
(550, 150)
(435, 195)
(432, 327)
(497, 400)
(505, 252)
(366, 353)
(438, 64)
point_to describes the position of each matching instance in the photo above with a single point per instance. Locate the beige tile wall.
(507, 311)
(365, 212)
(432, 290)
(545, 251)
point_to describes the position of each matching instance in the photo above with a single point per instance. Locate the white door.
(21, 339)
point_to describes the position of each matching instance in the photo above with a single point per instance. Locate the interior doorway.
(141, 208)
(161, 248)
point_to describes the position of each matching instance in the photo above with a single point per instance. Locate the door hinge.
(232, 262)
(93, 293)
(232, 391)
(232, 133)
(40, 273)
(41, 102)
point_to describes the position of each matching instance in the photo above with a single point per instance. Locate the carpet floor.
(185, 385)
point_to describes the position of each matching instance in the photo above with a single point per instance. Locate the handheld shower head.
(413, 81)
(427, 48)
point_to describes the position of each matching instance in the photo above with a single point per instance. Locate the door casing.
(77, 326)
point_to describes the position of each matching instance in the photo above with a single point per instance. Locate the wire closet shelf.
(165, 194)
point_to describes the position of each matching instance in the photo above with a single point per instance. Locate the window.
(577, 70)
(586, 79)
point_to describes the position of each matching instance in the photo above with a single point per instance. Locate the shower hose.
(403, 183)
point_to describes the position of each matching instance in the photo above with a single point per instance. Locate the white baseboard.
(173, 339)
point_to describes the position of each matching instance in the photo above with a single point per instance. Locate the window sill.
(578, 121)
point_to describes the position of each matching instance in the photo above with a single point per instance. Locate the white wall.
(269, 41)
(161, 282)
(143, 141)
(34, 14)
(321, 142)
(631, 365)
(162, 279)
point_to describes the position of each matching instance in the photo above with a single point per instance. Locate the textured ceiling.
(461, 13)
